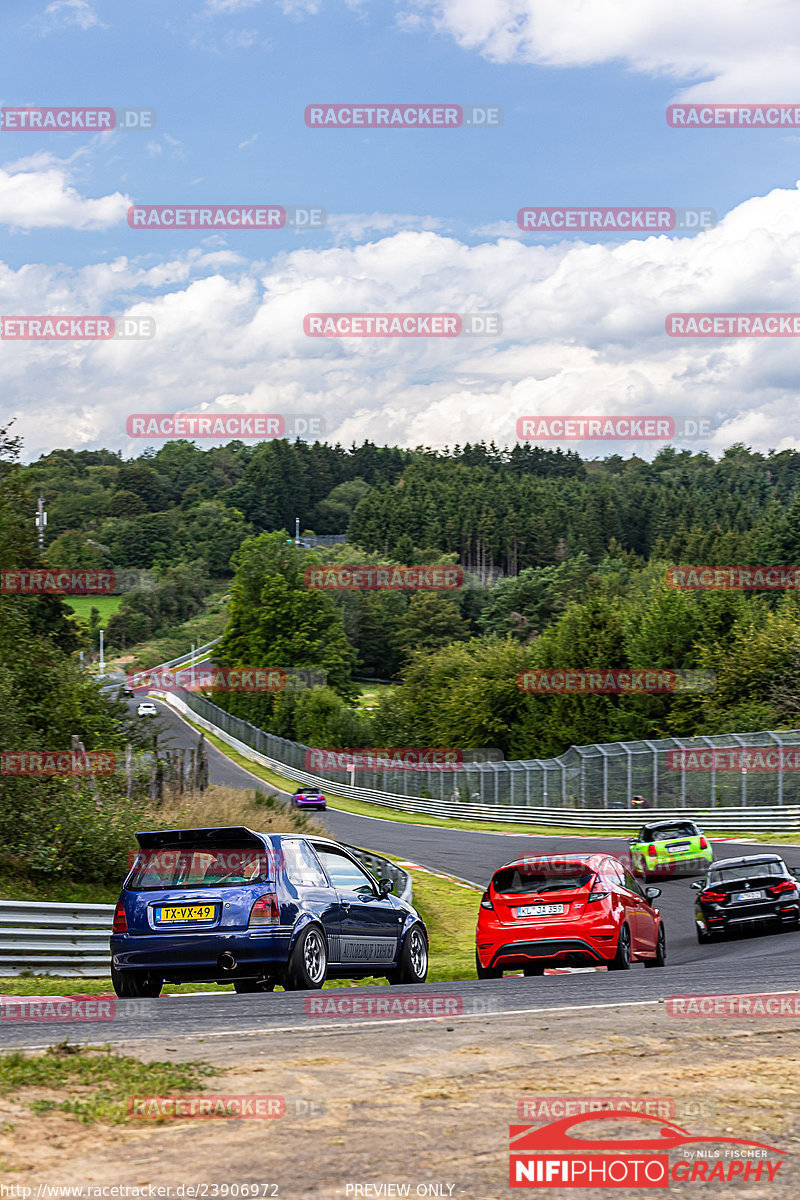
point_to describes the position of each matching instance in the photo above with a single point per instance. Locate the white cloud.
(217, 7)
(583, 334)
(351, 227)
(729, 50)
(63, 13)
(37, 193)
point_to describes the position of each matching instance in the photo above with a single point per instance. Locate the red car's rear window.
(512, 880)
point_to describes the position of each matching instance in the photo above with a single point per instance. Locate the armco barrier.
(54, 939)
(784, 818)
(72, 939)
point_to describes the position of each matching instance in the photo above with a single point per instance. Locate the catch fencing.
(580, 787)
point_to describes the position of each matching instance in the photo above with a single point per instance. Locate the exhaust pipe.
(226, 961)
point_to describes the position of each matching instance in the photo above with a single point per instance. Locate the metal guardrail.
(71, 940)
(183, 658)
(757, 818)
(55, 939)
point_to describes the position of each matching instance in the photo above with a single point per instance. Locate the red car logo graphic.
(556, 1136)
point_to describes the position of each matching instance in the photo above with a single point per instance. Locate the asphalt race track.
(766, 962)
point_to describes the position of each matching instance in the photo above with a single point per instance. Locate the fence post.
(629, 753)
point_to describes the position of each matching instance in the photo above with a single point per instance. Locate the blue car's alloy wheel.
(412, 966)
(308, 961)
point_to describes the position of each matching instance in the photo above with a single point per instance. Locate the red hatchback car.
(567, 910)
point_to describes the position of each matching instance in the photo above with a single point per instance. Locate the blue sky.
(418, 220)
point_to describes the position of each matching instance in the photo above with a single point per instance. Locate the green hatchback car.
(670, 848)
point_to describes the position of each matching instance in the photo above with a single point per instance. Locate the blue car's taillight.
(120, 920)
(264, 911)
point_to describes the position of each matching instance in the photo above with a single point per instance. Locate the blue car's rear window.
(208, 866)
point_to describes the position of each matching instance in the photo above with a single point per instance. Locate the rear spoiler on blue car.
(227, 835)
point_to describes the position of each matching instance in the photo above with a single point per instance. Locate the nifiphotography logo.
(552, 1155)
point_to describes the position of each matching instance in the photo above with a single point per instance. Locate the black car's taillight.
(264, 911)
(120, 920)
(782, 888)
(486, 900)
(714, 897)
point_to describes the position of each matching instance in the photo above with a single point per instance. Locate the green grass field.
(370, 694)
(83, 605)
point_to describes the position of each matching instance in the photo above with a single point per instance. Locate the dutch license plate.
(539, 910)
(186, 912)
(748, 896)
(678, 847)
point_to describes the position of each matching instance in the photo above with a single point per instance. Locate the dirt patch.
(427, 1105)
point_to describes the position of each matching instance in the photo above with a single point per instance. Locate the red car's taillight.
(486, 900)
(780, 889)
(265, 910)
(651, 851)
(703, 844)
(714, 897)
(596, 896)
(120, 920)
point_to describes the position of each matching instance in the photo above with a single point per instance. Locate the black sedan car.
(738, 892)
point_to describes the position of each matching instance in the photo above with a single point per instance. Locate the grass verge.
(91, 1083)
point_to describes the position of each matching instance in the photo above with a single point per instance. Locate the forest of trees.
(565, 565)
(51, 826)
(498, 511)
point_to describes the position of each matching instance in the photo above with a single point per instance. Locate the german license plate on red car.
(539, 910)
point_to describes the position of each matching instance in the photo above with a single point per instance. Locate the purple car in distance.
(306, 797)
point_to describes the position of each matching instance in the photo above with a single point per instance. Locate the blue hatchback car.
(256, 909)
